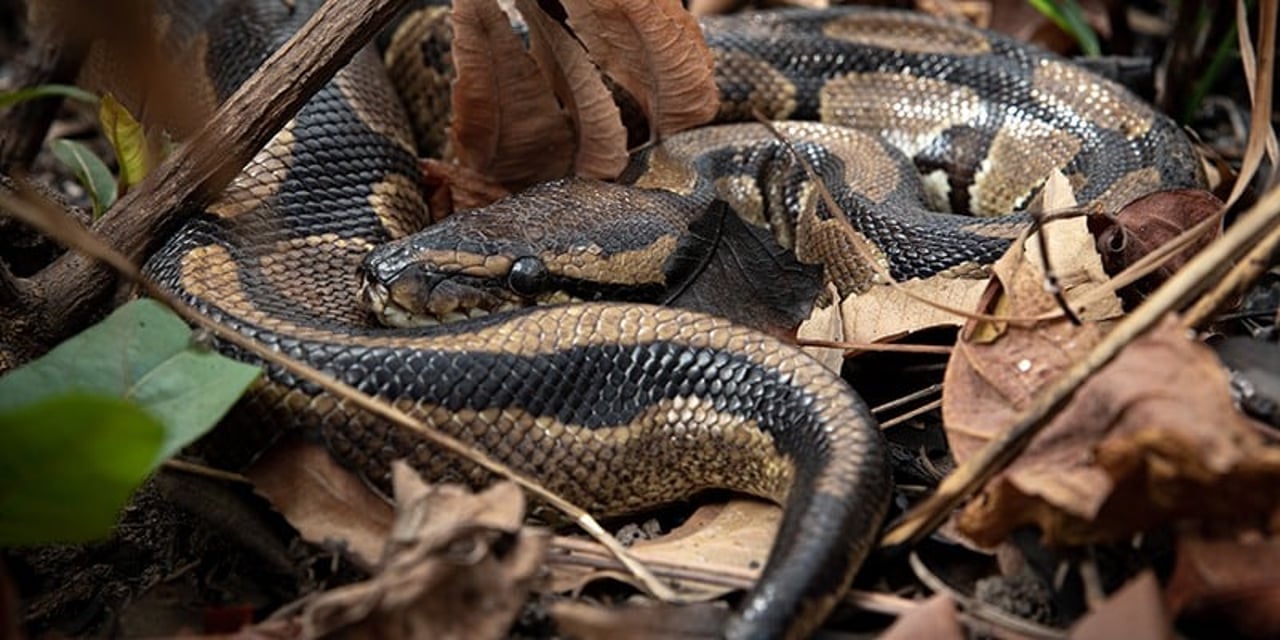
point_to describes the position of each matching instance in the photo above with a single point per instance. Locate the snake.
(533, 329)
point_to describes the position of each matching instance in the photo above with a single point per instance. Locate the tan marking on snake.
(398, 203)
(1121, 192)
(589, 262)
(1036, 149)
(772, 93)
(896, 33)
(364, 93)
(261, 179)
(588, 462)
(467, 263)
(835, 244)
(742, 193)
(1095, 99)
(908, 111)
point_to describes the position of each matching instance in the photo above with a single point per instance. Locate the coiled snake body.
(621, 406)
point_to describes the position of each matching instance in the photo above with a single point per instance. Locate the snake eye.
(528, 276)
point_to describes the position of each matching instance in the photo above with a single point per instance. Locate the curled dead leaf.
(326, 503)
(456, 565)
(1146, 224)
(506, 124)
(733, 537)
(600, 140)
(1152, 437)
(655, 51)
(454, 187)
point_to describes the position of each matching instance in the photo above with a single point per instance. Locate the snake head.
(553, 243)
(420, 281)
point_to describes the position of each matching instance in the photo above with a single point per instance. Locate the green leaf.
(1069, 17)
(142, 353)
(92, 173)
(85, 424)
(68, 464)
(10, 98)
(128, 140)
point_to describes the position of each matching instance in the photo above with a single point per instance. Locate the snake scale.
(620, 406)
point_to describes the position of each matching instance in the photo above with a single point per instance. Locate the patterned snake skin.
(622, 406)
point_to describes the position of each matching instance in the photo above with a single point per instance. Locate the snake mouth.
(389, 312)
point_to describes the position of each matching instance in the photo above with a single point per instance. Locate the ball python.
(620, 406)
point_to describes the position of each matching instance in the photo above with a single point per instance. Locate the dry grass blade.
(1260, 74)
(1196, 277)
(48, 219)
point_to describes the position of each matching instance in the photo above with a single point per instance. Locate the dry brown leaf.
(326, 503)
(1152, 437)
(1135, 612)
(1145, 224)
(882, 314)
(600, 138)
(457, 565)
(654, 49)
(824, 323)
(736, 536)
(454, 187)
(934, 618)
(1227, 585)
(506, 124)
(638, 622)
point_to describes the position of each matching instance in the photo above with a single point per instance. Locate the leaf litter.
(453, 564)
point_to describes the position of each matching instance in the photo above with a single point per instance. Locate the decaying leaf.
(654, 49)
(1145, 224)
(1135, 612)
(600, 140)
(456, 565)
(638, 622)
(326, 503)
(735, 537)
(882, 314)
(1153, 436)
(1229, 586)
(454, 187)
(935, 618)
(507, 125)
